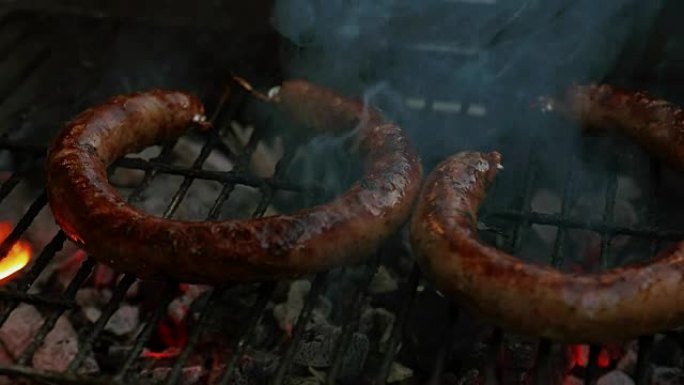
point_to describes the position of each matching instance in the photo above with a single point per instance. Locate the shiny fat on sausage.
(343, 231)
(613, 306)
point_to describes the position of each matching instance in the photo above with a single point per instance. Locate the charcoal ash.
(377, 324)
(615, 377)
(628, 361)
(124, 321)
(667, 376)
(191, 375)
(318, 345)
(399, 373)
(59, 349)
(287, 312)
(383, 282)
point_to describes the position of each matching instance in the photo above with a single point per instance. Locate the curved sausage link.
(655, 124)
(94, 215)
(613, 306)
(616, 305)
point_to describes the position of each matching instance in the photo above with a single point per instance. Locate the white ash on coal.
(202, 193)
(124, 321)
(383, 282)
(615, 377)
(59, 347)
(20, 328)
(399, 373)
(318, 345)
(179, 306)
(287, 312)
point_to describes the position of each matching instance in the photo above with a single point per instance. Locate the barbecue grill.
(533, 211)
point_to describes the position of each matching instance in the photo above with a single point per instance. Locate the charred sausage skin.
(93, 214)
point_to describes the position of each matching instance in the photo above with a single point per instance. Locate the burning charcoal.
(124, 321)
(260, 367)
(189, 376)
(90, 296)
(5, 359)
(628, 360)
(318, 347)
(377, 323)
(91, 313)
(20, 328)
(667, 376)
(383, 282)
(520, 351)
(615, 377)
(287, 313)
(59, 349)
(180, 305)
(399, 373)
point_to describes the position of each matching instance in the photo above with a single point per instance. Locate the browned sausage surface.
(613, 306)
(352, 226)
(655, 124)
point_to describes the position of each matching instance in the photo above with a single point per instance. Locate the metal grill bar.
(205, 308)
(445, 348)
(36, 299)
(317, 287)
(542, 369)
(53, 377)
(643, 358)
(520, 226)
(351, 322)
(70, 294)
(266, 289)
(170, 210)
(646, 342)
(233, 177)
(523, 218)
(592, 365)
(145, 334)
(239, 345)
(117, 296)
(402, 316)
(23, 223)
(599, 227)
(606, 237)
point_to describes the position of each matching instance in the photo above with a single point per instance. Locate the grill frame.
(523, 217)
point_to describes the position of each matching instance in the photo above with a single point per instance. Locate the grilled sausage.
(654, 123)
(613, 306)
(93, 214)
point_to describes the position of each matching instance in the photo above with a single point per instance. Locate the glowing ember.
(579, 356)
(18, 256)
(168, 353)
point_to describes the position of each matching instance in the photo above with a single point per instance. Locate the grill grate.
(38, 62)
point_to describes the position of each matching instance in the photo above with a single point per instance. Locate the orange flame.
(18, 256)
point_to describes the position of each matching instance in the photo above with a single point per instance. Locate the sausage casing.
(94, 215)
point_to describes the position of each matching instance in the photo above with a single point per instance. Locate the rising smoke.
(498, 53)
